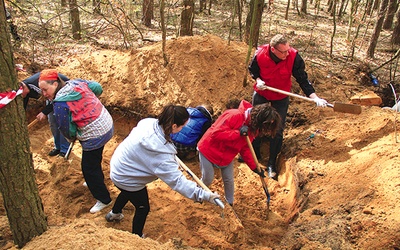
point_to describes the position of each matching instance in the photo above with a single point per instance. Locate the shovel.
(71, 145)
(337, 106)
(235, 224)
(201, 184)
(259, 170)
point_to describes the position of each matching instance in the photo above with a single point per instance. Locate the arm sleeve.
(301, 76)
(48, 108)
(169, 173)
(254, 69)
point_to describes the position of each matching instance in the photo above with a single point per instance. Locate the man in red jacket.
(227, 137)
(273, 65)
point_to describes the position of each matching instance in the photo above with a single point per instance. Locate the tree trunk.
(287, 10)
(203, 5)
(17, 178)
(187, 17)
(303, 8)
(164, 32)
(334, 28)
(257, 22)
(388, 23)
(396, 30)
(377, 29)
(75, 21)
(148, 14)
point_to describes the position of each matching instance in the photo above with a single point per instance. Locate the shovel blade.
(347, 108)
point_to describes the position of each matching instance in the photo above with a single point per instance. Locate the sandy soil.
(337, 190)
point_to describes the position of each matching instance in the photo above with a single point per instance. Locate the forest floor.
(337, 190)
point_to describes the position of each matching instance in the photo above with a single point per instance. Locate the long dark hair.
(265, 119)
(170, 115)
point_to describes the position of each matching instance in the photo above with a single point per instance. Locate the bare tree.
(377, 29)
(388, 23)
(75, 21)
(17, 178)
(334, 28)
(164, 32)
(396, 30)
(303, 8)
(187, 18)
(148, 13)
(253, 22)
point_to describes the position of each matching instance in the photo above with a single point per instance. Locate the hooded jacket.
(199, 122)
(222, 141)
(144, 156)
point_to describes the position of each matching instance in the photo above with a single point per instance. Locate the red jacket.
(276, 75)
(222, 141)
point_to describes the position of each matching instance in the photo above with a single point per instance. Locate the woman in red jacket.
(227, 137)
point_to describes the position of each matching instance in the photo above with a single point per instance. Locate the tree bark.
(17, 178)
(187, 18)
(75, 21)
(257, 22)
(388, 23)
(396, 30)
(303, 8)
(377, 29)
(148, 13)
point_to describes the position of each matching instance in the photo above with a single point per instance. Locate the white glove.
(212, 198)
(260, 84)
(320, 102)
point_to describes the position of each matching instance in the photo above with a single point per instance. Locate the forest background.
(340, 40)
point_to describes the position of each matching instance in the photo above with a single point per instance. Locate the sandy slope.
(338, 190)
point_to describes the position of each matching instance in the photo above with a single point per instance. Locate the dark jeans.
(275, 143)
(93, 174)
(140, 199)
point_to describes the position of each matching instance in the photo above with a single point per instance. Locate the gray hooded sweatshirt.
(145, 156)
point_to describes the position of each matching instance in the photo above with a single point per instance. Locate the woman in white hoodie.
(147, 154)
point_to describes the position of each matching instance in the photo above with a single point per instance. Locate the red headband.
(48, 75)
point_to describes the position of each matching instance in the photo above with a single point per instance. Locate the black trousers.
(140, 199)
(93, 174)
(275, 145)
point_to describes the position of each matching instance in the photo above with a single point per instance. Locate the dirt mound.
(200, 69)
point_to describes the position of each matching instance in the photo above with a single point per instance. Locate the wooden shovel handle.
(33, 123)
(183, 165)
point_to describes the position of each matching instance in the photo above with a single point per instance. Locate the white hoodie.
(145, 156)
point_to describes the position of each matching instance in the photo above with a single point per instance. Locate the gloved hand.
(212, 198)
(260, 84)
(259, 173)
(244, 130)
(320, 102)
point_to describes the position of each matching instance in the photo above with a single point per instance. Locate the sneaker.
(114, 217)
(271, 172)
(99, 206)
(54, 152)
(61, 154)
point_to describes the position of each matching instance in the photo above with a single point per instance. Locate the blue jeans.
(59, 140)
(207, 176)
